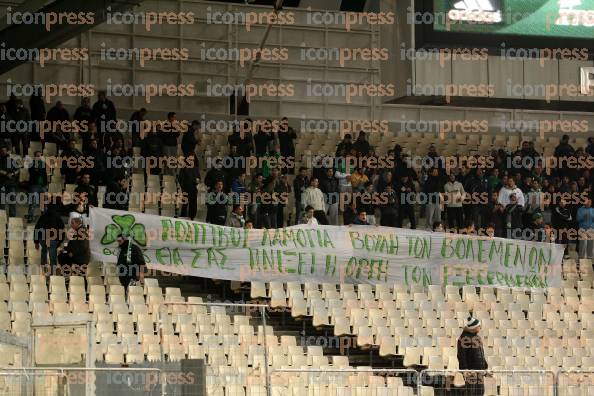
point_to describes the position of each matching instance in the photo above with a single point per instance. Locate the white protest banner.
(333, 254)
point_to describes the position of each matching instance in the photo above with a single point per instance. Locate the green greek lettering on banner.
(520, 257)
(166, 227)
(330, 264)
(217, 257)
(356, 242)
(350, 267)
(197, 256)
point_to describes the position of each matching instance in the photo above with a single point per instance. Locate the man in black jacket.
(169, 139)
(7, 126)
(471, 356)
(216, 204)
(85, 191)
(300, 183)
(9, 171)
(406, 199)
(37, 183)
(362, 145)
(116, 194)
(104, 113)
(329, 186)
(71, 161)
(21, 137)
(286, 139)
(190, 139)
(562, 222)
(130, 263)
(49, 233)
(78, 251)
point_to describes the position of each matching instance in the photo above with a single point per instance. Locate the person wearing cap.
(471, 356)
(130, 262)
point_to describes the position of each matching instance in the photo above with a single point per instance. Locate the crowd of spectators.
(258, 184)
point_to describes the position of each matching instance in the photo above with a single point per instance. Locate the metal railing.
(508, 382)
(248, 307)
(370, 380)
(51, 381)
(575, 382)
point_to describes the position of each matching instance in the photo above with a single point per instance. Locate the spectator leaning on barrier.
(585, 218)
(361, 218)
(366, 203)
(437, 226)
(236, 219)
(308, 217)
(471, 356)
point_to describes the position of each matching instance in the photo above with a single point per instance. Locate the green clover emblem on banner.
(126, 226)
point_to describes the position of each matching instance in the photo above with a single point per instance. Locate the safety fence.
(487, 382)
(339, 381)
(575, 383)
(62, 381)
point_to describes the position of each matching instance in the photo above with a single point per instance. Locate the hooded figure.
(471, 356)
(130, 263)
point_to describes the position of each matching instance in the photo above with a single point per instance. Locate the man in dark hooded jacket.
(471, 356)
(130, 263)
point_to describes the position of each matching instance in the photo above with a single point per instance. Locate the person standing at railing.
(471, 356)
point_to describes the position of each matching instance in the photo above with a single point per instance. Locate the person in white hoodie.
(509, 189)
(315, 198)
(454, 192)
